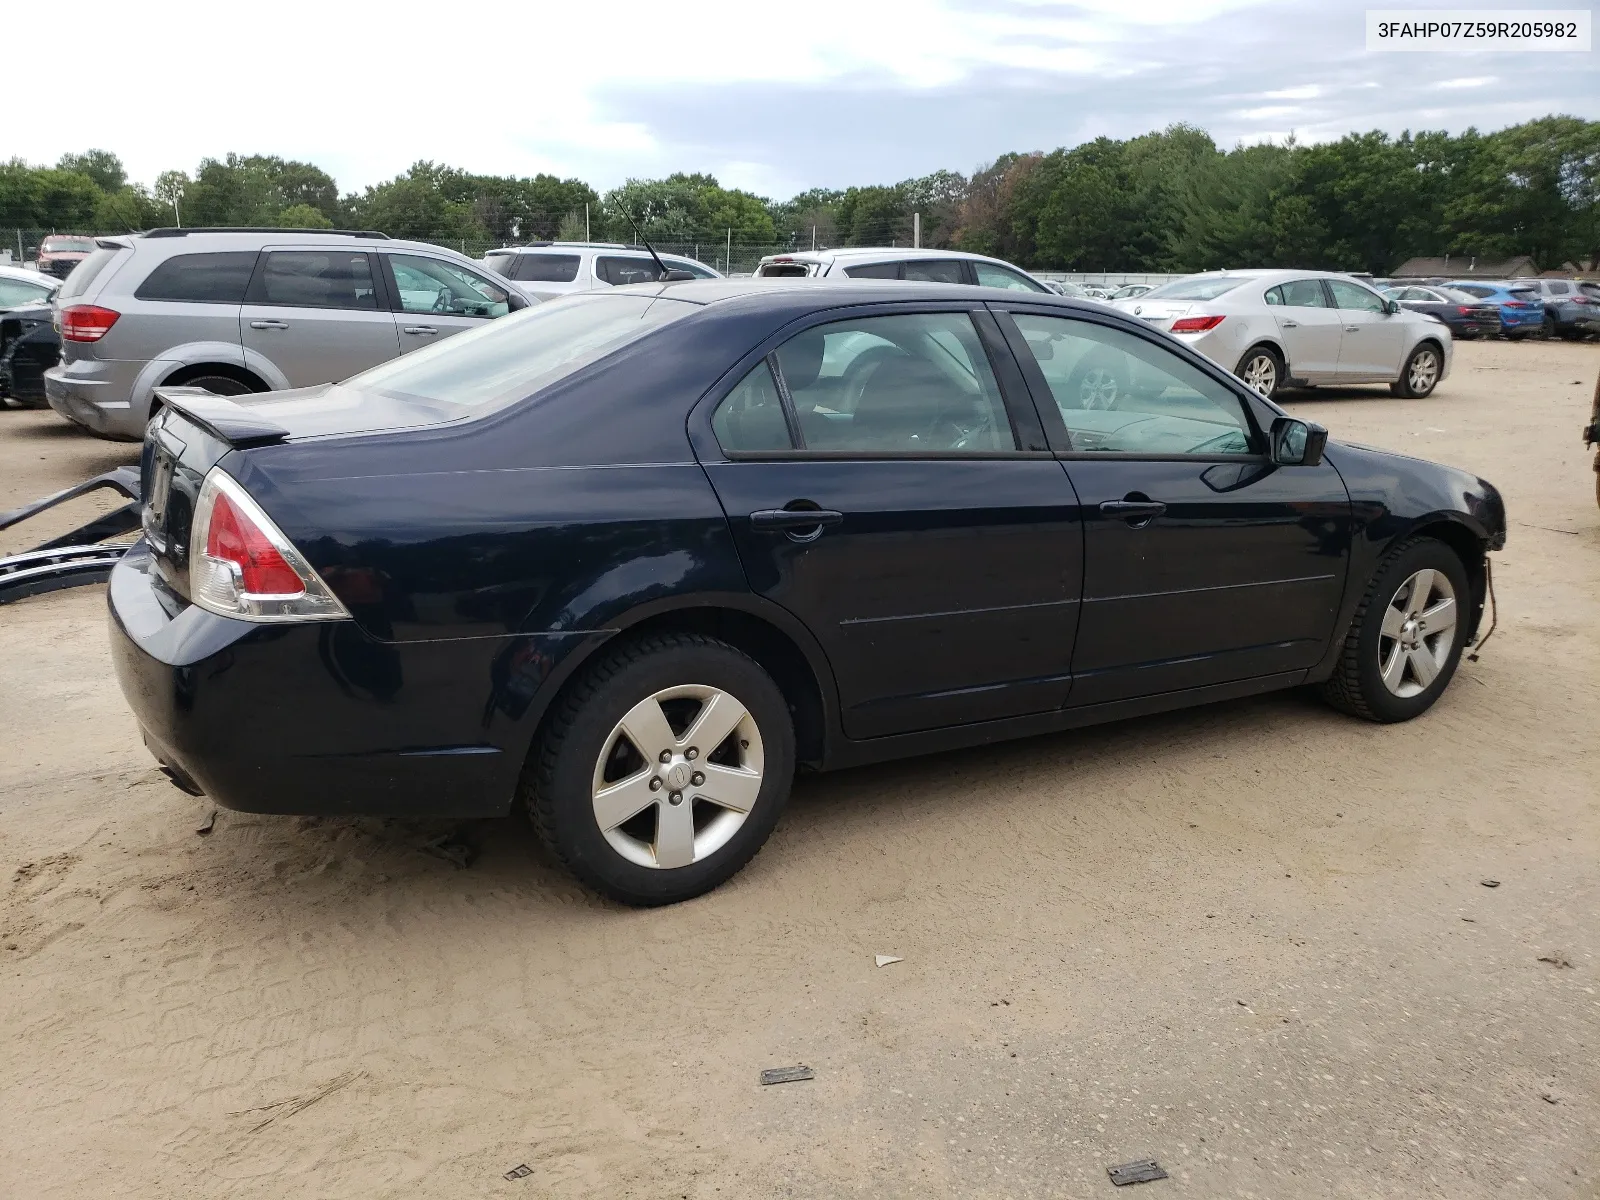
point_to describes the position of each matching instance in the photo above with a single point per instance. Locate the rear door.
(1309, 327)
(1373, 340)
(434, 298)
(878, 487)
(317, 314)
(1204, 563)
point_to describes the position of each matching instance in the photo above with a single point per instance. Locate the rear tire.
(635, 819)
(1400, 654)
(1421, 373)
(1262, 369)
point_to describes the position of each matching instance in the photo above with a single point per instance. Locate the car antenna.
(667, 276)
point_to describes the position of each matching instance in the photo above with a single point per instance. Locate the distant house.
(1466, 266)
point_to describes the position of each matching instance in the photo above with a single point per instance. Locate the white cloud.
(1472, 81)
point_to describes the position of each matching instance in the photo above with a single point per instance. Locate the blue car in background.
(1521, 308)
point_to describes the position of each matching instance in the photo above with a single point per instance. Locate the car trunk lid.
(1160, 313)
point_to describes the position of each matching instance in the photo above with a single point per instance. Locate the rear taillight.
(241, 565)
(1463, 310)
(1580, 300)
(87, 322)
(1195, 324)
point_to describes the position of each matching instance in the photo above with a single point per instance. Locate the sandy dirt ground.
(1250, 940)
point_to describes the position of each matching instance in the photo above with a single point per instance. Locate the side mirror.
(1297, 443)
(1391, 307)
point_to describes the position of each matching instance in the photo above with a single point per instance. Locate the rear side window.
(874, 271)
(935, 271)
(201, 278)
(1473, 289)
(1300, 293)
(619, 271)
(914, 383)
(1556, 288)
(750, 418)
(545, 268)
(86, 272)
(315, 279)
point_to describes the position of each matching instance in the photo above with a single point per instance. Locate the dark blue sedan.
(629, 559)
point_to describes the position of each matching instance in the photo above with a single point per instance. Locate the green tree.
(304, 216)
(102, 166)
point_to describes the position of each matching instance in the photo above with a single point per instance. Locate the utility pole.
(813, 239)
(586, 236)
(916, 231)
(728, 266)
(176, 216)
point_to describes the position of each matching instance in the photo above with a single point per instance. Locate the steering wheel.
(441, 302)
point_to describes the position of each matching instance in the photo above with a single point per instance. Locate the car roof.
(829, 293)
(876, 254)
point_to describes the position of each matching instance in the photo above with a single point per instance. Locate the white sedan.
(19, 287)
(1277, 329)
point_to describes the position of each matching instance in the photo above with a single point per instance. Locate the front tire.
(1407, 635)
(1421, 373)
(663, 770)
(1262, 369)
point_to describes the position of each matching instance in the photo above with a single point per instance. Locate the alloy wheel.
(678, 776)
(1261, 374)
(1424, 371)
(1419, 629)
(1099, 388)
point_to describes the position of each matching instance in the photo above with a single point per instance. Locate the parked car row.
(1564, 308)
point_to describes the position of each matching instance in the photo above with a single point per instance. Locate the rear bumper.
(320, 719)
(96, 395)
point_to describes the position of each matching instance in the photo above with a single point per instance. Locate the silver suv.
(888, 262)
(551, 269)
(234, 310)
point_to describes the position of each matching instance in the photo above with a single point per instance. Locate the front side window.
(1120, 394)
(22, 291)
(201, 278)
(750, 419)
(431, 285)
(913, 382)
(314, 279)
(993, 275)
(1556, 288)
(1354, 297)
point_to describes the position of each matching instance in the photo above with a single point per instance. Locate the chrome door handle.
(1352, 329)
(269, 324)
(794, 518)
(1133, 510)
(428, 329)
(1291, 325)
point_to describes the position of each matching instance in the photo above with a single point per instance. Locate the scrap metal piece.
(208, 824)
(520, 1171)
(73, 558)
(883, 960)
(1142, 1170)
(786, 1075)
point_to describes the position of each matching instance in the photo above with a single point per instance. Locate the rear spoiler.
(221, 417)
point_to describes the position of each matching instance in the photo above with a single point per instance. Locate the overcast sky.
(774, 98)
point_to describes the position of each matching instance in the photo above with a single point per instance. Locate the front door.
(1309, 328)
(316, 315)
(875, 488)
(1203, 562)
(1373, 340)
(435, 298)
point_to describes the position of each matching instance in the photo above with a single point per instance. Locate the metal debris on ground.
(208, 824)
(452, 849)
(1142, 1170)
(883, 960)
(1555, 960)
(786, 1075)
(520, 1171)
(1490, 882)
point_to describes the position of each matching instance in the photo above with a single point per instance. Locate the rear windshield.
(84, 273)
(1206, 288)
(509, 359)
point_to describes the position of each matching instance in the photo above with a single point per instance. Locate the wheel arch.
(160, 371)
(1271, 343)
(1471, 546)
(769, 634)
